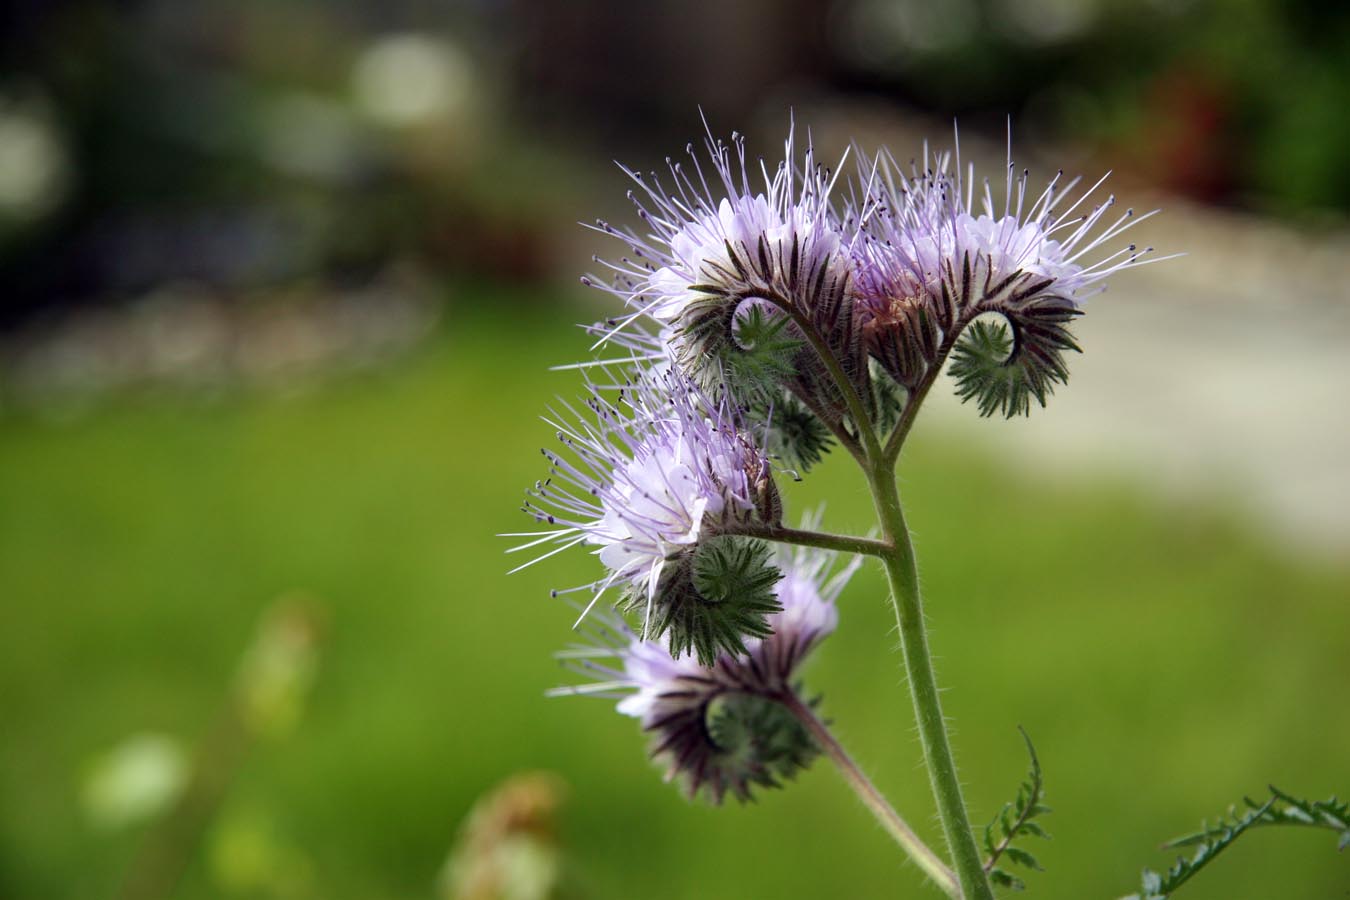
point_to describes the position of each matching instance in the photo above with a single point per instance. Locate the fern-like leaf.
(1211, 840)
(1014, 821)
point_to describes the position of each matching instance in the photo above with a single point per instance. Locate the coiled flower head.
(731, 268)
(936, 258)
(723, 727)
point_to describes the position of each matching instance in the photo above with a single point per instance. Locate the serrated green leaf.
(1014, 820)
(1007, 880)
(1151, 882)
(1033, 828)
(1022, 858)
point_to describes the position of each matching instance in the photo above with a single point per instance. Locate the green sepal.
(711, 599)
(759, 743)
(748, 347)
(888, 397)
(1004, 366)
(793, 435)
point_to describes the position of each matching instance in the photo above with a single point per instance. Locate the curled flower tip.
(657, 478)
(733, 267)
(713, 598)
(937, 254)
(722, 729)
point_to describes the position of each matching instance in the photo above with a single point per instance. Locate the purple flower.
(925, 223)
(721, 231)
(937, 254)
(651, 472)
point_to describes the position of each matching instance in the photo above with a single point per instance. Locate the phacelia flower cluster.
(764, 321)
(899, 274)
(936, 254)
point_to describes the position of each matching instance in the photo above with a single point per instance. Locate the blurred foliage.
(1224, 100)
(1162, 655)
(508, 846)
(135, 780)
(251, 144)
(256, 143)
(150, 778)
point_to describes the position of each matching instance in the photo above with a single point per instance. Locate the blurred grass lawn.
(1164, 660)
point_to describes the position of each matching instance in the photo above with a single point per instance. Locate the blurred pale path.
(1221, 373)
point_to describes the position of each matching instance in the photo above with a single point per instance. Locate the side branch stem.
(856, 409)
(931, 864)
(897, 554)
(896, 440)
(846, 543)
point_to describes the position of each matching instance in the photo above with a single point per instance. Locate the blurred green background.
(282, 282)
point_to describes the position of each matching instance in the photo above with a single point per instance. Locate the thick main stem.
(904, 581)
(876, 803)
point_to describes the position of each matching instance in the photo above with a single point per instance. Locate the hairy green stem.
(902, 571)
(841, 434)
(896, 440)
(845, 543)
(897, 554)
(876, 803)
(870, 445)
(857, 410)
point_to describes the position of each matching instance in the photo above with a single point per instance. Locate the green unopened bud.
(758, 742)
(711, 599)
(1004, 372)
(746, 345)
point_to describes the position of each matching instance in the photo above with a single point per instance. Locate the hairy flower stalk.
(771, 310)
